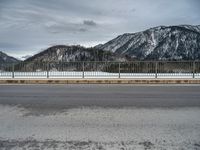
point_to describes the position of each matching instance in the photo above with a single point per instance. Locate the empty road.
(58, 97)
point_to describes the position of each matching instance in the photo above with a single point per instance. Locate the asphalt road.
(58, 97)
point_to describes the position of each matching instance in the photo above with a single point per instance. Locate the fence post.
(13, 71)
(193, 70)
(83, 75)
(156, 70)
(48, 70)
(119, 70)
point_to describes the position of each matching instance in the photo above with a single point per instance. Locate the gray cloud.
(89, 23)
(27, 26)
(69, 27)
(83, 30)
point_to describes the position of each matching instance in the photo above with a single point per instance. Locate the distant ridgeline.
(7, 60)
(59, 56)
(159, 43)
(74, 53)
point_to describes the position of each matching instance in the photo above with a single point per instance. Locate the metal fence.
(133, 69)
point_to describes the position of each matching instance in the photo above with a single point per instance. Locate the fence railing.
(132, 69)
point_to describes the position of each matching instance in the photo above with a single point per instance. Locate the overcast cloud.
(28, 26)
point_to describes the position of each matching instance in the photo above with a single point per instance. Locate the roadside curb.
(99, 81)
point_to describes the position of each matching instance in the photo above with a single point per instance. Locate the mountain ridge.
(158, 43)
(180, 42)
(74, 53)
(6, 59)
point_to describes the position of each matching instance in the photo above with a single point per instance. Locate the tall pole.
(156, 70)
(193, 70)
(119, 70)
(13, 71)
(83, 75)
(48, 70)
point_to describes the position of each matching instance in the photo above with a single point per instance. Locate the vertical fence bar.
(13, 71)
(83, 75)
(193, 70)
(156, 70)
(119, 70)
(48, 70)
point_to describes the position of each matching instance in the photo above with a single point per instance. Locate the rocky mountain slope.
(51, 58)
(73, 53)
(6, 60)
(159, 43)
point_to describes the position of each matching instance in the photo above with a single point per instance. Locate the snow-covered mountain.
(159, 43)
(6, 60)
(73, 53)
(62, 53)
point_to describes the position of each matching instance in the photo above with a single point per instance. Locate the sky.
(29, 26)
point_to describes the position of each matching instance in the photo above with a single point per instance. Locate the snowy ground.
(53, 74)
(101, 128)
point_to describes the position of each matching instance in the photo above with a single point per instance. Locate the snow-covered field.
(71, 74)
(101, 128)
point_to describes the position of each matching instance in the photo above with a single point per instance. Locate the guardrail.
(132, 69)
